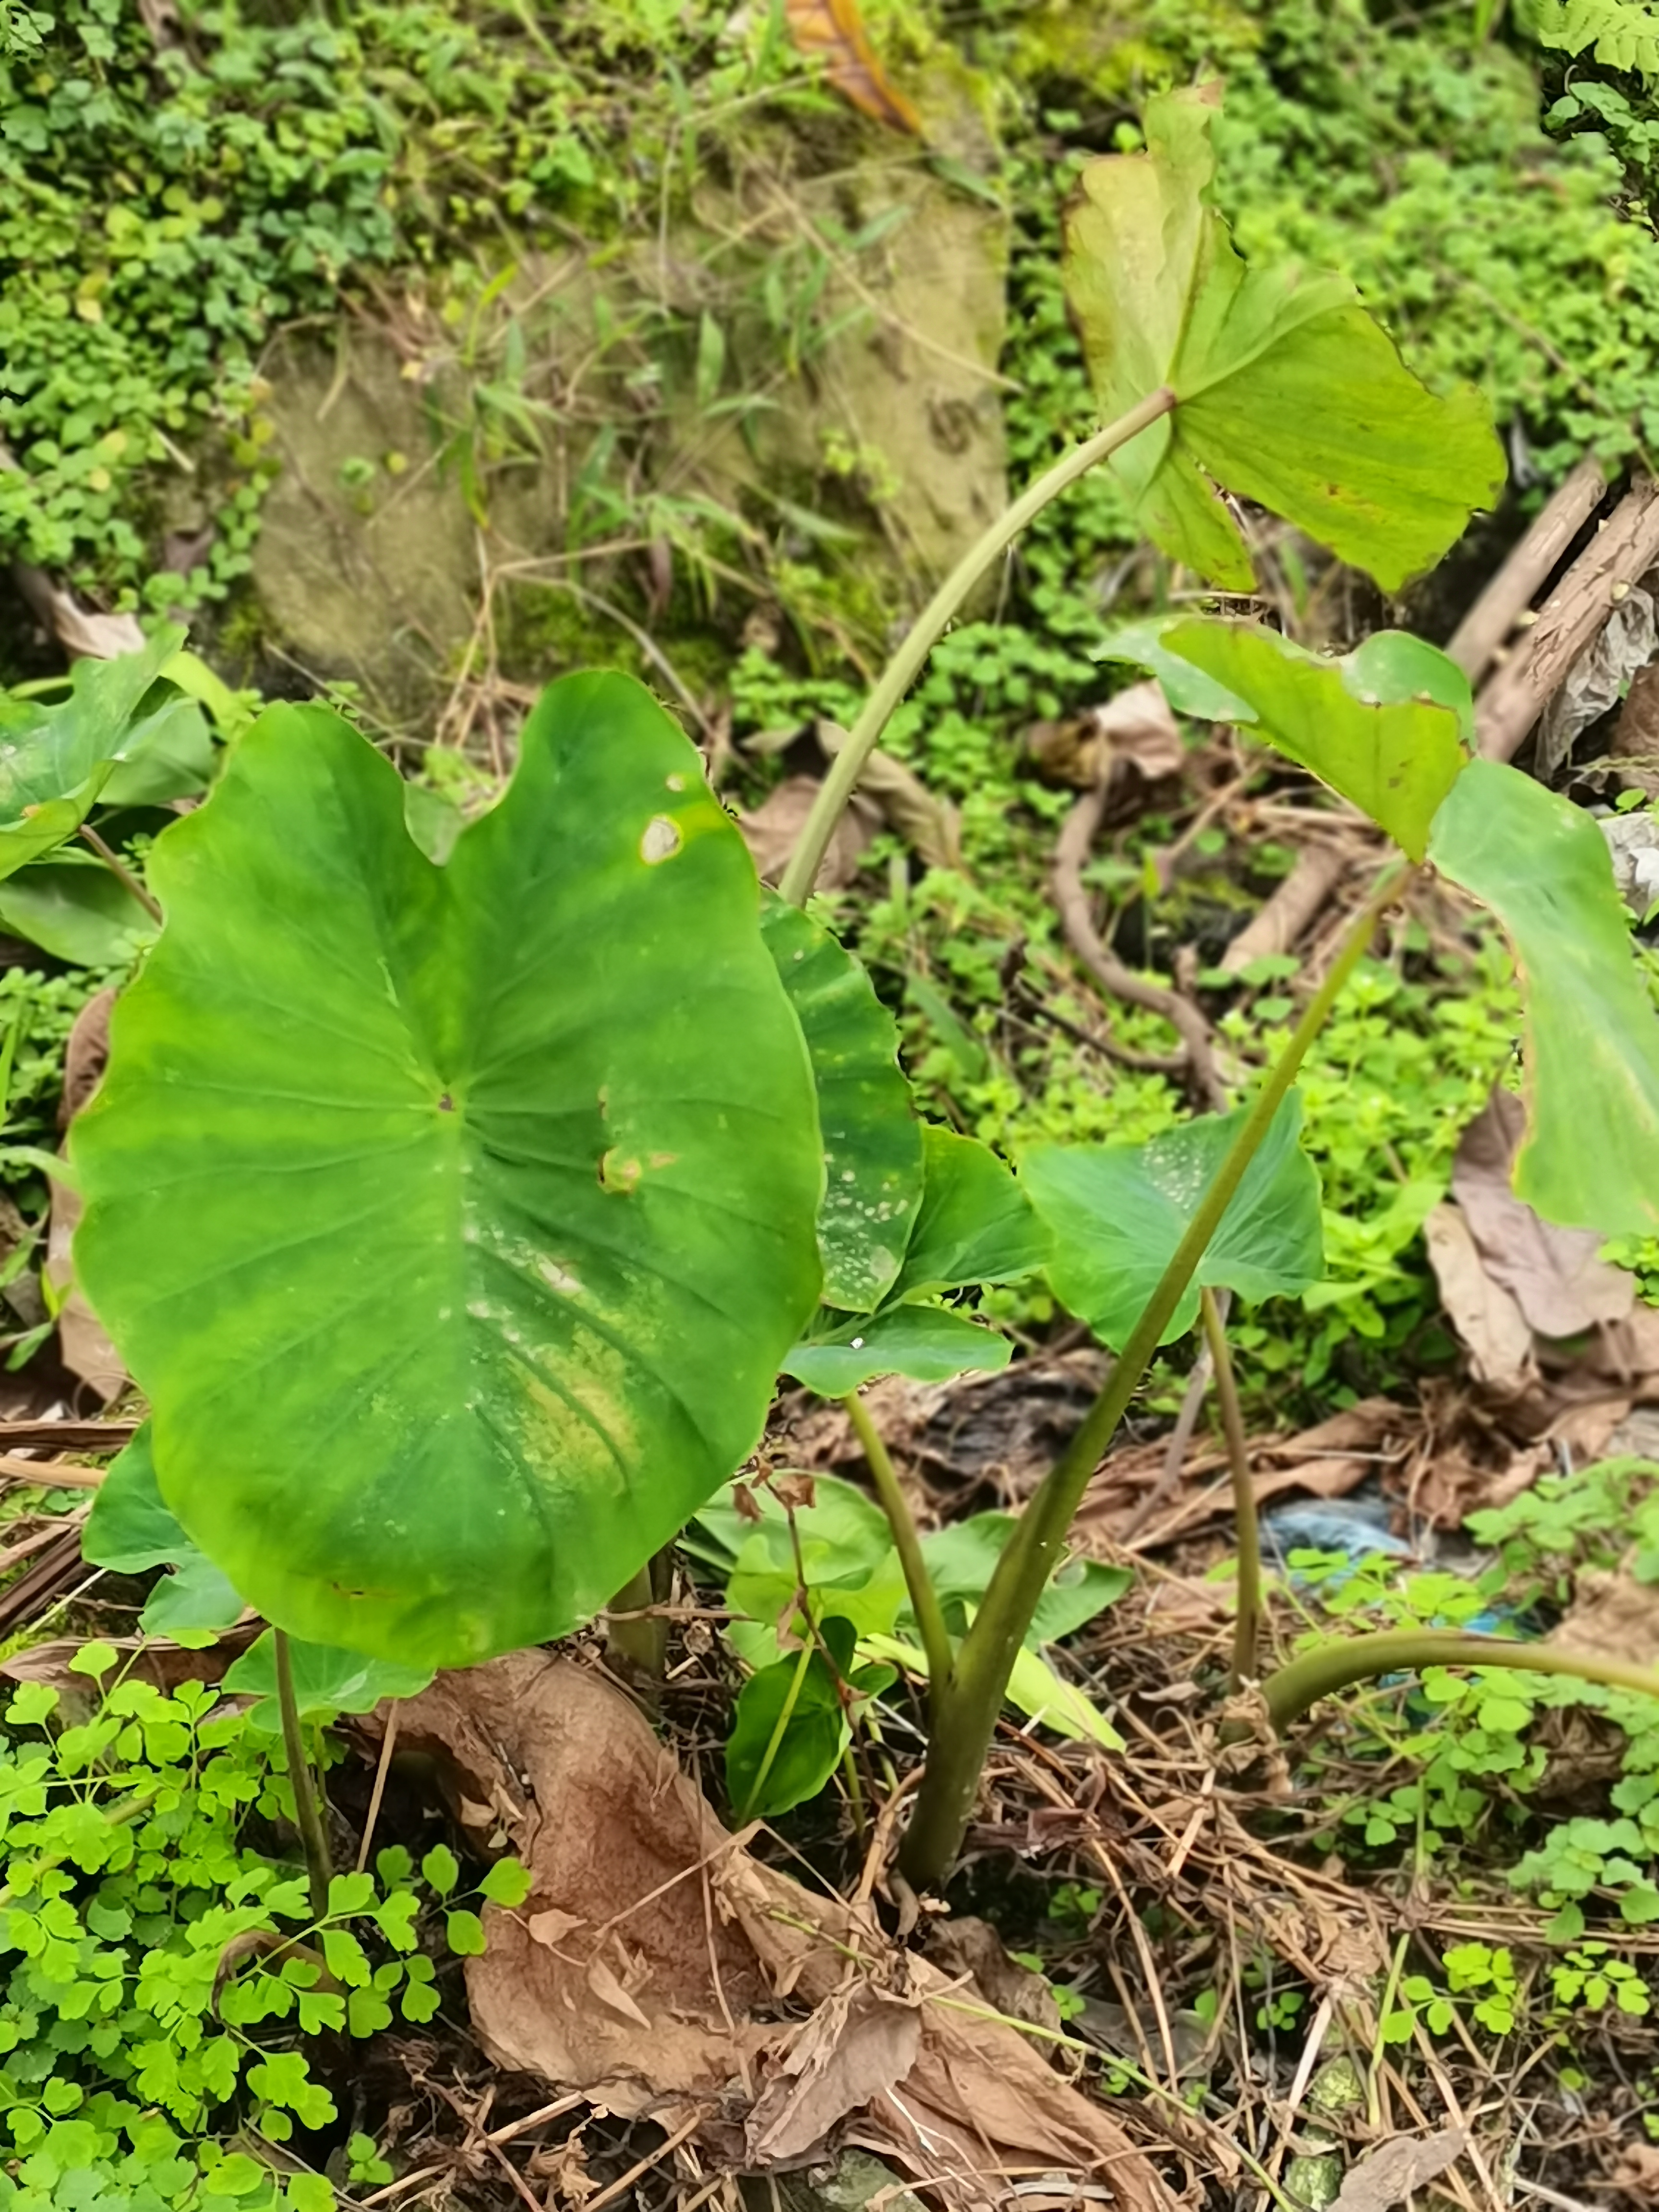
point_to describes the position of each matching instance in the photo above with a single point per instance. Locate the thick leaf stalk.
(1337, 1666)
(923, 1599)
(964, 1714)
(935, 618)
(307, 1811)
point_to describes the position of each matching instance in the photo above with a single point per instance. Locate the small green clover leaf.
(466, 1935)
(441, 1869)
(507, 1883)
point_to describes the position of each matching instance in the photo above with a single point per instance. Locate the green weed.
(145, 1935)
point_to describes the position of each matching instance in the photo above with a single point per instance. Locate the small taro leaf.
(1288, 392)
(1590, 1157)
(130, 1526)
(168, 752)
(847, 1555)
(77, 910)
(872, 1155)
(193, 1600)
(55, 760)
(814, 1736)
(975, 1225)
(1118, 1211)
(326, 1681)
(1033, 1689)
(501, 1178)
(1361, 725)
(1042, 1695)
(962, 1556)
(924, 1342)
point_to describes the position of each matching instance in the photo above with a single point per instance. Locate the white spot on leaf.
(661, 840)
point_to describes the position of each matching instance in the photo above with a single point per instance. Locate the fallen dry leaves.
(1134, 734)
(1387, 2175)
(654, 1959)
(1555, 1336)
(835, 30)
(772, 830)
(1558, 1282)
(1613, 1617)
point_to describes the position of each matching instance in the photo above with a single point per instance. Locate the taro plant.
(456, 1210)
(112, 736)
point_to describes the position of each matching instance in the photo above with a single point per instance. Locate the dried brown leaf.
(1554, 1275)
(1637, 2174)
(856, 2046)
(835, 30)
(552, 1928)
(962, 1945)
(931, 826)
(1385, 2176)
(1485, 1314)
(772, 830)
(143, 1659)
(1133, 731)
(83, 1343)
(610, 1991)
(1635, 747)
(616, 1835)
(1613, 1617)
(82, 635)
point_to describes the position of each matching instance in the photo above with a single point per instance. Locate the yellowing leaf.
(1288, 393)
(1383, 726)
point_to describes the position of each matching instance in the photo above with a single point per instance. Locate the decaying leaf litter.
(834, 2029)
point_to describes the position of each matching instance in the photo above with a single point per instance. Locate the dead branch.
(1484, 631)
(1622, 552)
(1077, 839)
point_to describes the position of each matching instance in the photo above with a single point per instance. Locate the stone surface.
(368, 564)
(373, 583)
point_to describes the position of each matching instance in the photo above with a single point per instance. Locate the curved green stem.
(1247, 1540)
(923, 1599)
(123, 874)
(306, 1812)
(1329, 1667)
(964, 1719)
(931, 624)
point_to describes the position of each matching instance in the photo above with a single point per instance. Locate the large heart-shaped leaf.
(1590, 1156)
(454, 1220)
(872, 1140)
(1385, 725)
(1287, 392)
(976, 1225)
(1118, 1211)
(56, 760)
